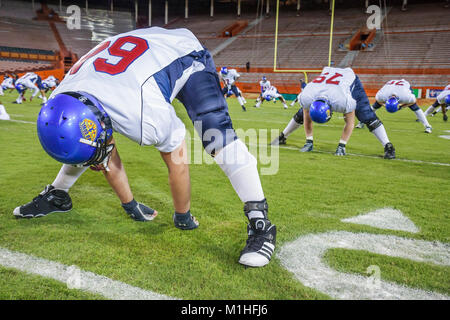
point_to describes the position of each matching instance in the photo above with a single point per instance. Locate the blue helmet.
(74, 129)
(268, 97)
(20, 87)
(392, 104)
(447, 99)
(224, 70)
(264, 78)
(320, 111)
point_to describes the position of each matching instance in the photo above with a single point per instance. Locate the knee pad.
(414, 107)
(372, 125)
(298, 117)
(203, 99)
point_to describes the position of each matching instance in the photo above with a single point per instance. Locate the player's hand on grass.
(138, 211)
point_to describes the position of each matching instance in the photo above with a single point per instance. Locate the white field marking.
(22, 121)
(75, 278)
(386, 218)
(445, 137)
(373, 157)
(304, 258)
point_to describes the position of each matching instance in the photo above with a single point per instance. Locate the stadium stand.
(412, 45)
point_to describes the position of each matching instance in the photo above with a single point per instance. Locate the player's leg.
(375, 107)
(280, 96)
(294, 124)
(259, 100)
(208, 110)
(432, 108)
(421, 117)
(3, 114)
(366, 115)
(293, 102)
(239, 97)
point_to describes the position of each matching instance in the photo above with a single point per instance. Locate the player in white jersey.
(395, 95)
(127, 84)
(7, 83)
(264, 84)
(30, 81)
(49, 83)
(338, 90)
(442, 104)
(229, 77)
(271, 93)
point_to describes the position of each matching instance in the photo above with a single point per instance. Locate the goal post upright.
(304, 71)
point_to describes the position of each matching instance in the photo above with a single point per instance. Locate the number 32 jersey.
(122, 73)
(334, 85)
(400, 88)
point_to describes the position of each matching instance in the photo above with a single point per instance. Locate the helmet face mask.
(320, 111)
(73, 130)
(392, 104)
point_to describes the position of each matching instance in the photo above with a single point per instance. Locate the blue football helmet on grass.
(392, 104)
(74, 129)
(320, 111)
(268, 97)
(224, 70)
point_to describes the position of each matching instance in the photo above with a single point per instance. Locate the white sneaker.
(428, 129)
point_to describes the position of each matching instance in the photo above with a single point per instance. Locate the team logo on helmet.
(88, 129)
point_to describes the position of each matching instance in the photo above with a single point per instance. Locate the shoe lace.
(39, 196)
(255, 242)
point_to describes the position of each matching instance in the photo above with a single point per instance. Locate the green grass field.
(310, 193)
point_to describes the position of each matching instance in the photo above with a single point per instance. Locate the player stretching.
(265, 85)
(336, 90)
(29, 81)
(229, 77)
(395, 95)
(442, 103)
(75, 127)
(269, 94)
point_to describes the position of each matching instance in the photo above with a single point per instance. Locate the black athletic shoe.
(389, 151)
(243, 108)
(260, 243)
(48, 201)
(280, 140)
(445, 117)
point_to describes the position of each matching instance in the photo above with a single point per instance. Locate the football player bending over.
(336, 90)
(29, 81)
(269, 94)
(442, 103)
(75, 127)
(395, 95)
(265, 85)
(229, 77)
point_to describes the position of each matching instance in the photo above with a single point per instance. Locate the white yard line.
(75, 278)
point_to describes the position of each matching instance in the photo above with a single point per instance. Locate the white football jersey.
(230, 77)
(399, 88)
(50, 82)
(122, 73)
(271, 91)
(334, 85)
(264, 85)
(8, 83)
(443, 94)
